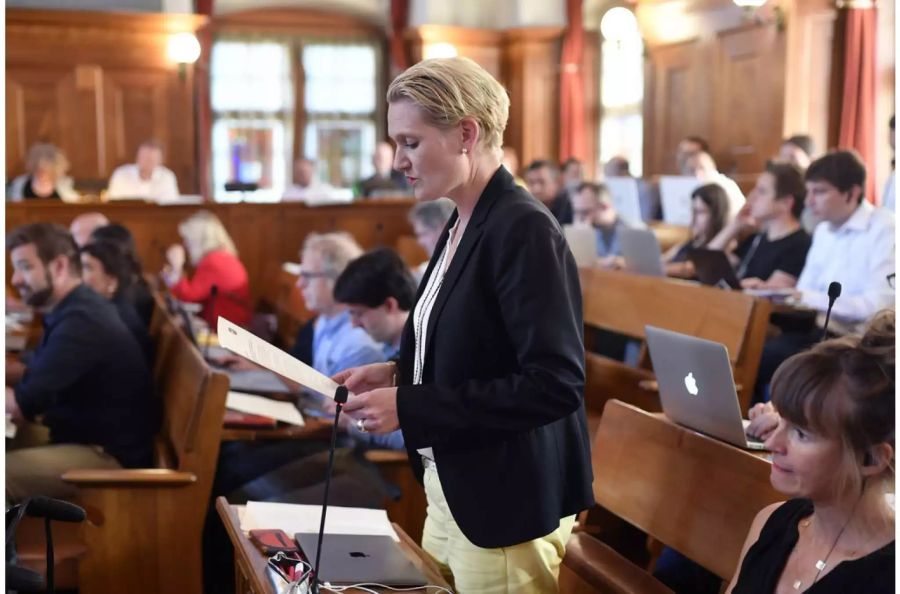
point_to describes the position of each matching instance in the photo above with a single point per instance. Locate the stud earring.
(465, 151)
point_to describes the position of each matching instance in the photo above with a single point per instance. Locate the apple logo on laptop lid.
(691, 384)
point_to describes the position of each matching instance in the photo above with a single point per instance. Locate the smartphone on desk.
(273, 540)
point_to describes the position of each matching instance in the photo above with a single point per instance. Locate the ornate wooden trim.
(121, 21)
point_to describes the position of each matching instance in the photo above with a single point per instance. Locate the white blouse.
(422, 312)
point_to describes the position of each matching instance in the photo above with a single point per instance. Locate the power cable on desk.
(338, 589)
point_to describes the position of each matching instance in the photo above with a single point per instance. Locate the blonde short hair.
(449, 89)
(49, 154)
(336, 249)
(203, 233)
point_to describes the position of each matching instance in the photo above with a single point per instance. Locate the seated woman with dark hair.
(140, 294)
(108, 271)
(832, 444)
(709, 213)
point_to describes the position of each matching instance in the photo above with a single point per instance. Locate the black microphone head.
(22, 579)
(54, 509)
(834, 290)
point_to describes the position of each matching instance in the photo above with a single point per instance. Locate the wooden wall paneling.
(807, 103)
(749, 99)
(34, 105)
(96, 84)
(137, 110)
(294, 21)
(531, 74)
(752, 79)
(481, 45)
(681, 88)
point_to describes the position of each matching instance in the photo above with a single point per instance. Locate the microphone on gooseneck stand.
(54, 509)
(834, 291)
(22, 579)
(340, 397)
(49, 509)
(213, 294)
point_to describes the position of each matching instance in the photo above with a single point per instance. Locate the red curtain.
(571, 83)
(399, 20)
(858, 126)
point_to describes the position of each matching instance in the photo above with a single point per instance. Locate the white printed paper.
(245, 344)
(294, 518)
(260, 405)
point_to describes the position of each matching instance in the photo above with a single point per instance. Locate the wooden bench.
(410, 251)
(281, 297)
(144, 526)
(691, 492)
(624, 303)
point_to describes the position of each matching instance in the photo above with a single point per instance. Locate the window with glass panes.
(622, 88)
(276, 100)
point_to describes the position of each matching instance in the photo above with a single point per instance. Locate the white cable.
(361, 586)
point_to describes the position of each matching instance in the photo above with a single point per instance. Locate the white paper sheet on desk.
(16, 342)
(305, 518)
(260, 405)
(13, 324)
(245, 344)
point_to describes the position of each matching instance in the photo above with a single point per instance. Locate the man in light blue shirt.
(592, 205)
(337, 343)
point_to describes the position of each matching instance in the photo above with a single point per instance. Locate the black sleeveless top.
(28, 192)
(765, 560)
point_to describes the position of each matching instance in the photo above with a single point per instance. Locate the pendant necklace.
(822, 563)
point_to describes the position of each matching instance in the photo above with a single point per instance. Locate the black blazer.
(502, 396)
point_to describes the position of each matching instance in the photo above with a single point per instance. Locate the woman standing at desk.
(490, 379)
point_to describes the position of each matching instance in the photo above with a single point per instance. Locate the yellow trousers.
(528, 567)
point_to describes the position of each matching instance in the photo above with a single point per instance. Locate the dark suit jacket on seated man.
(88, 379)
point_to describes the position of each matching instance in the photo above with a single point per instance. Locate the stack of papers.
(306, 518)
(266, 407)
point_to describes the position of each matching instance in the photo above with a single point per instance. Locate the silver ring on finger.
(361, 425)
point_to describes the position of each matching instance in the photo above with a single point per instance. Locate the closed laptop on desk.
(349, 559)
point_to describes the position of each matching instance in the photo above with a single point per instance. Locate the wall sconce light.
(439, 50)
(183, 49)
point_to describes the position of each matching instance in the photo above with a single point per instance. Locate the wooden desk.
(250, 564)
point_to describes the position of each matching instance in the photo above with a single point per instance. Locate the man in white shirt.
(146, 178)
(306, 186)
(853, 245)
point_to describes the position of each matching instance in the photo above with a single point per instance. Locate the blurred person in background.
(219, 283)
(46, 178)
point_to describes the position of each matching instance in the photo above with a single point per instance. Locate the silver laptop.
(582, 240)
(349, 559)
(696, 387)
(641, 251)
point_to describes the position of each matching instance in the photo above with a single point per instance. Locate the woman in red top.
(220, 280)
